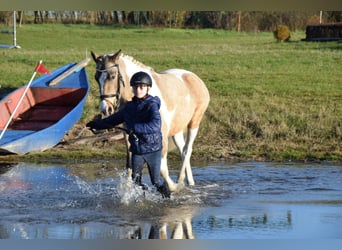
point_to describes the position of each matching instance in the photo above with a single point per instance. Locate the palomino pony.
(184, 100)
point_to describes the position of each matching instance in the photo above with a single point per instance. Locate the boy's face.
(140, 90)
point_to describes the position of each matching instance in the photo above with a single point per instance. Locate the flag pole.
(19, 102)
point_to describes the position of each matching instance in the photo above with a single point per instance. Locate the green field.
(269, 100)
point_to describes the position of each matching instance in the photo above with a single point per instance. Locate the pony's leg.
(178, 231)
(180, 143)
(164, 171)
(163, 232)
(165, 174)
(188, 227)
(187, 151)
(178, 139)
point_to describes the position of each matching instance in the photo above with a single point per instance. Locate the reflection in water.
(280, 222)
(177, 224)
(249, 200)
(167, 227)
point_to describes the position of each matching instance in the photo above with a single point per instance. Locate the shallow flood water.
(255, 200)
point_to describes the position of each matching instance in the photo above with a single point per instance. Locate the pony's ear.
(116, 55)
(94, 55)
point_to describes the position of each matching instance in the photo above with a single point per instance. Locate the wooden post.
(239, 21)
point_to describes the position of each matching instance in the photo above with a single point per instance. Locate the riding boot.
(137, 180)
(164, 190)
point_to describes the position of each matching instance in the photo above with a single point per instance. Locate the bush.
(282, 33)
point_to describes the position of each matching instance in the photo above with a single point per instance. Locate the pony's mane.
(140, 64)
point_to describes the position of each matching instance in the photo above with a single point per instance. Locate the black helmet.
(141, 78)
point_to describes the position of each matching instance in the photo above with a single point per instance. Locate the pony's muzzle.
(106, 108)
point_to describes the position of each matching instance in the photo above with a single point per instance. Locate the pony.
(184, 100)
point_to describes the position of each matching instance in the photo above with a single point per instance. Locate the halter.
(119, 81)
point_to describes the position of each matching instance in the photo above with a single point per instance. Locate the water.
(252, 200)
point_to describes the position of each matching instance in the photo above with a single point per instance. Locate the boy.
(143, 121)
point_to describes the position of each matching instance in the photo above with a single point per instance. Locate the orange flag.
(41, 69)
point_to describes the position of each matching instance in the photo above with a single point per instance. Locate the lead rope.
(117, 95)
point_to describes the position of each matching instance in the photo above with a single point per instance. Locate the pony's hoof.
(174, 188)
(179, 187)
(191, 183)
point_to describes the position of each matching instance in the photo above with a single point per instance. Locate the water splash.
(122, 190)
(127, 191)
(85, 187)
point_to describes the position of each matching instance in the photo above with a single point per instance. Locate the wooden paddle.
(74, 68)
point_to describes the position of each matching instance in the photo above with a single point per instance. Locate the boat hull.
(46, 113)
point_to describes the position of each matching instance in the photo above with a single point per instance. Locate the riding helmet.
(141, 78)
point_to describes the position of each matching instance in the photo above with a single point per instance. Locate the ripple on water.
(238, 200)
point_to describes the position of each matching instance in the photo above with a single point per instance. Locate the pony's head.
(110, 81)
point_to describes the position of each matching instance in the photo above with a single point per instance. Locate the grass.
(269, 100)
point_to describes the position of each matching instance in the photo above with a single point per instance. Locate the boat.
(49, 107)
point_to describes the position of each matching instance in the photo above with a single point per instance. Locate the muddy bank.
(81, 145)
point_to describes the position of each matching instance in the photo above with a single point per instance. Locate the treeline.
(249, 21)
